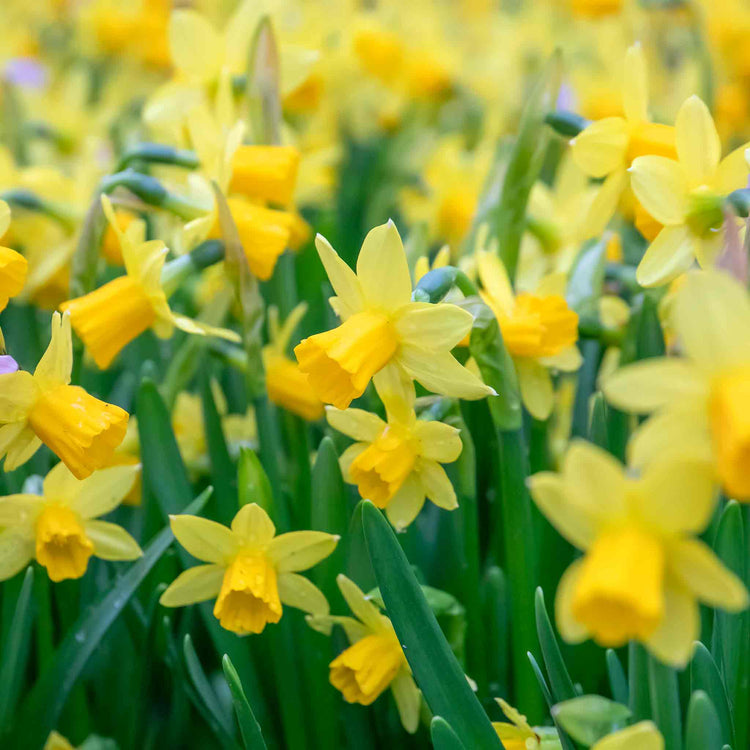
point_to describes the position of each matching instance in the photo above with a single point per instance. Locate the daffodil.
(60, 528)
(701, 402)
(44, 408)
(607, 147)
(397, 464)
(374, 661)
(686, 195)
(382, 327)
(250, 571)
(643, 572)
(286, 384)
(265, 173)
(519, 735)
(110, 317)
(641, 736)
(13, 266)
(539, 330)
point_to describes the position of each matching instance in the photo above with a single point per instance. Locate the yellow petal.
(652, 384)
(300, 550)
(408, 700)
(347, 458)
(436, 484)
(437, 327)
(568, 360)
(701, 572)
(204, 539)
(641, 736)
(56, 364)
(604, 204)
(253, 525)
(396, 390)
(697, 142)
(495, 280)
(537, 392)
(732, 171)
(17, 394)
(24, 446)
(196, 47)
(16, 552)
(197, 584)
(659, 184)
(382, 268)
(669, 255)
(405, 505)
(100, 493)
(356, 423)
(362, 608)
(441, 373)
(18, 510)
(674, 640)
(438, 441)
(203, 329)
(600, 149)
(569, 628)
(635, 85)
(297, 591)
(112, 542)
(5, 217)
(343, 280)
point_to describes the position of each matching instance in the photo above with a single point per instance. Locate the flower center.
(729, 418)
(61, 543)
(340, 363)
(620, 593)
(380, 470)
(367, 668)
(651, 138)
(705, 213)
(249, 596)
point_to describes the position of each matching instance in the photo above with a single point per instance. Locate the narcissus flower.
(643, 572)
(45, 408)
(539, 330)
(59, 529)
(519, 735)
(13, 266)
(607, 147)
(383, 327)
(686, 195)
(397, 464)
(265, 173)
(701, 403)
(251, 572)
(641, 736)
(374, 661)
(112, 316)
(286, 384)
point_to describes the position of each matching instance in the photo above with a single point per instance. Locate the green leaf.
(588, 718)
(435, 668)
(618, 683)
(703, 730)
(560, 682)
(15, 649)
(330, 510)
(586, 278)
(705, 676)
(442, 735)
(252, 737)
(640, 696)
(42, 709)
(665, 702)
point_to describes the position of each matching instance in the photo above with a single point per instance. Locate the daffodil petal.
(198, 584)
(442, 373)
(18, 510)
(569, 628)
(298, 592)
(439, 442)
(343, 280)
(253, 525)
(382, 268)
(17, 393)
(601, 148)
(300, 550)
(16, 552)
(203, 329)
(405, 505)
(112, 542)
(437, 486)
(196, 47)
(732, 172)
(659, 185)
(673, 641)
(697, 141)
(362, 608)
(347, 457)
(56, 365)
(635, 85)
(437, 327)
(204, 539)
(23, 447)
(102, 492)
(353, 629)
(604, 204)
(408, 700)
(641, 736)
(670, 254)
(537, 393)
(568, 360)
(495, 279)
(356, 423)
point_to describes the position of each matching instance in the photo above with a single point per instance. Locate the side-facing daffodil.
(518, 734)
(286, 384)
(44, 408)
(59, 529)
(110, 317)
(397, 464)
(250, 571)
(539, 330)
(643, 572)
(607, 147)
(686, 196)
(382, 326)
(701, 402)
(13, 266)
(374, 661)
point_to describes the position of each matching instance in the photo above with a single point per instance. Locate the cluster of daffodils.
(537, 317)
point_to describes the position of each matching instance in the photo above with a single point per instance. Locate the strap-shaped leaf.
(703, 729)
(442, 735)
(252, 737)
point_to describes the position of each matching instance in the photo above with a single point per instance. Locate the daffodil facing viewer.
(250, 571)
(59, 529)
(643, 572)
(44, 408)
(382, 327)
(374, 661)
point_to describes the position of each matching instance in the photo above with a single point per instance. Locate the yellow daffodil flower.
(539, 330)
(112, 316)
(643, 572)
(396, 464)
(13, 266)
(701, 402)
(251, 572)
(607, 147)
(59, 529)
(374, 661)
(44, 408)
(286, 384)
(641, 736)
(519, 735)
(265, 173)
(382, 327)
(686, 196)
